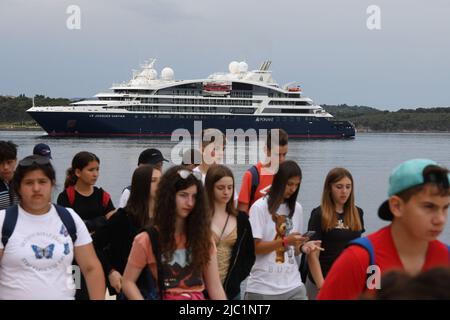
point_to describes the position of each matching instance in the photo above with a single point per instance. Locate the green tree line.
(403, 120)
(13, 109)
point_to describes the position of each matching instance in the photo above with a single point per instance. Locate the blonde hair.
(328, 207)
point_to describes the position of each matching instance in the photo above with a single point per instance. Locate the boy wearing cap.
(8, 161)
(419, 197)
(148, 156)
(41, 149)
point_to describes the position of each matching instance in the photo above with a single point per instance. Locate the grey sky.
(323, 44)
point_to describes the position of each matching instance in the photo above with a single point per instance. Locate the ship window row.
(233, 93)
(131, 91)
(180, 92)
(198, 101)
(289, 103)
(279, 110)
(190, 109)
(293, 119)
(283, 95)
(241, 94)
(171, 109)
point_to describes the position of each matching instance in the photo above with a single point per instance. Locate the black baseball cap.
(151, 156)
(41, 149)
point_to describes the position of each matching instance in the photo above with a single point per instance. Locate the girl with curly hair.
(188, 253)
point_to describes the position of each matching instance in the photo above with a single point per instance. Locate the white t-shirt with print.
(267, 276)
(37, 260)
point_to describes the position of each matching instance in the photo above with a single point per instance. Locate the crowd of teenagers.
(185, 233)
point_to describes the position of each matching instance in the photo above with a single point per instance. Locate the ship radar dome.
(233, 67)
(149, 74)
(167, 73)
(243, 67)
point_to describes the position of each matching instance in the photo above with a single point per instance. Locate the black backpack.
(148, 286)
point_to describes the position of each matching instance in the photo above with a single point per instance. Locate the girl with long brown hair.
(118, 235)
(276, 221)
(188, 253)
(231, 230)
(336, 222)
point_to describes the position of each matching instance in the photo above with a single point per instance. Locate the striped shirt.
(7, 198)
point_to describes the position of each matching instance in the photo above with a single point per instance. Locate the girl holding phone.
(276, 222)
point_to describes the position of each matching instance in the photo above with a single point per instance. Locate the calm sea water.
(370, 158)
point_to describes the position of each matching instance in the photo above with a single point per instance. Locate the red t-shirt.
(348, 275)
(265, 182)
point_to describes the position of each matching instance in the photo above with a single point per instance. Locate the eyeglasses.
(28, 161)
(185, 174)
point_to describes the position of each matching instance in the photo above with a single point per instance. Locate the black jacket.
(242, 257)
(115, 242)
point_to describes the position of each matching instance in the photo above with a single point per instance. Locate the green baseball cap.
(407, 175)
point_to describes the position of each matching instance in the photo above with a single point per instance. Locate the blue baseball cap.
(407, 175)
(41, 149)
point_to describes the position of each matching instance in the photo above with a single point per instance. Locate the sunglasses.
(28, 161)
(186, 173)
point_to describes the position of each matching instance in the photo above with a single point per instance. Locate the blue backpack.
(12, 214)
(255, 183)
(366, 244)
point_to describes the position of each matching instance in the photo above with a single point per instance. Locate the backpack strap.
(154, 240)
(68, 222)
(448, 247)
(12, 214)
(70, 191)
(255, 183)
(9, 223)
(367, 245)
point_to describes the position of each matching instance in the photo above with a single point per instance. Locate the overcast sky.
(325, 45)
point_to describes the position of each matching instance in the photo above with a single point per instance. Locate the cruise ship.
(153, 104)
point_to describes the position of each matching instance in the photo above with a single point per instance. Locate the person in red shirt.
(419, 197)
(265, 174)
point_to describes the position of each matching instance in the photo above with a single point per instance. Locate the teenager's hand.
(115, 279)
(312, 246)
(295, 239)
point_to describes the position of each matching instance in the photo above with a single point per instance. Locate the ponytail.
(71, 178)
(79, 161)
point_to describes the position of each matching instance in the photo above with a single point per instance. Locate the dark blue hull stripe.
(139, 124)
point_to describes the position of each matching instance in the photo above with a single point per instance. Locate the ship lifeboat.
(294, 89)
(215, 88)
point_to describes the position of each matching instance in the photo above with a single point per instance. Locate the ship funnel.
(265, 65)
